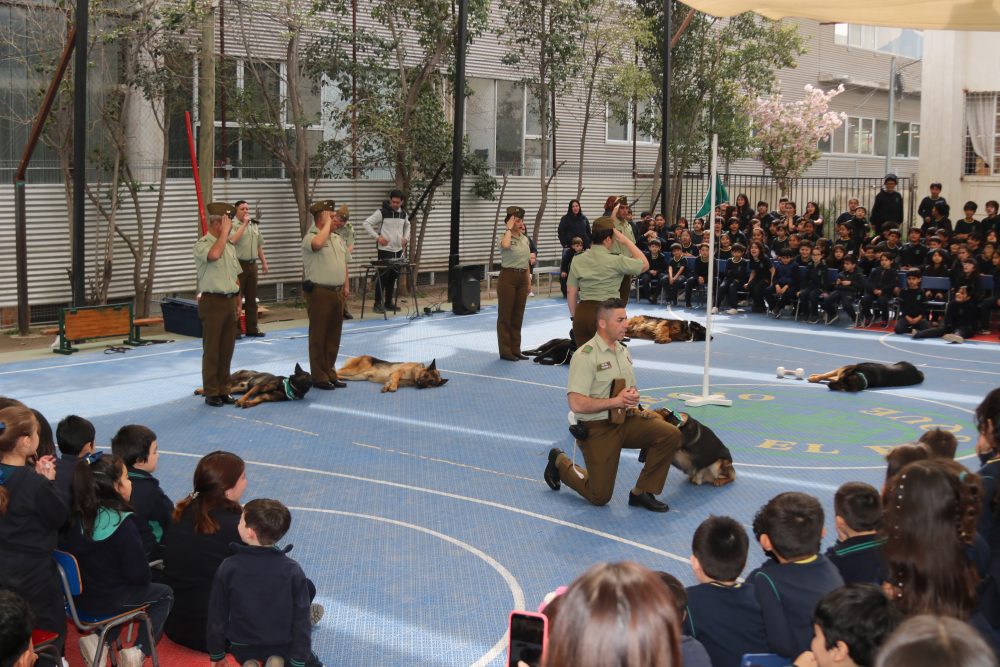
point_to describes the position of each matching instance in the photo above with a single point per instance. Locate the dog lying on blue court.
(555, 352)
(663, 330)
(392, 374)
(870, 375)
(702, 456)
(258, 387)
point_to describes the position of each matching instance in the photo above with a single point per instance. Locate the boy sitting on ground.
(857, 553)
(260, 605)
(789, 528)
(849, 625)
(693, 653)
(75, 439)
(722, 613)
(136, 445)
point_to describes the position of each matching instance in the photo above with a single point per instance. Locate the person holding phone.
(596, 367)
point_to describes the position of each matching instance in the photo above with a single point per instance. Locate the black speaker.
(463, 283)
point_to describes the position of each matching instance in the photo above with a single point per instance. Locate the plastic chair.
(936, 284)
(72, 585)
(44, 644)
(764, 660)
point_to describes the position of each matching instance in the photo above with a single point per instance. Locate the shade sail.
(925, 15)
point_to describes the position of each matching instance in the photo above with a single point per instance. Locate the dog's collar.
(289, 393)
(863, 379)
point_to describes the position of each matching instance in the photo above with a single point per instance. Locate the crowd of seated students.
(910, 578)
(206, 570)
(855, 265)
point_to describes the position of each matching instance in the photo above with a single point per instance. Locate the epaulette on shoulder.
(587, 349)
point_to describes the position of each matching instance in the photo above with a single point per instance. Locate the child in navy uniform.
(858, 551)
(784, 283)
(260, 602)
(75, 438)
(788, 586)
(574, 249)
(136, 445)
(912, 306)
(815, 287)
(735, 278)
(699, 277)
(652, 278)
(882, 284)
(849, 283)
(693, 653)
(675, 277)
(850, 624)
(722, 613)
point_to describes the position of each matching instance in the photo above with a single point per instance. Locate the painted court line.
(434, 459)
(427, 424)
(455, 496)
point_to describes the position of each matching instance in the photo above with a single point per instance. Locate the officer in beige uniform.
(324, 262)
(596, 275)
(249, 245)
(620, 215)
(218, 303)
(512, 286)
(347, 233)
(592, 372)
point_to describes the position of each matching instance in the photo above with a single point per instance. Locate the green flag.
(720, 196)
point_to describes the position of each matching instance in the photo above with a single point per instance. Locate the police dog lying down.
(870, 375)
(662, 330)
(702, 456)
(258, 387)
(392, 374)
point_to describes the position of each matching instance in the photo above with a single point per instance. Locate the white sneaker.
(88, 650)
(732, 311)
(131, 657)
(953, 338)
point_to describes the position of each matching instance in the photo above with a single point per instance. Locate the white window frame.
(629, 131)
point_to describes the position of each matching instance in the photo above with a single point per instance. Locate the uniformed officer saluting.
(218, 305)
(597, 275)
(249, 245)
(324, 260)
(592, 372)
(512, 286)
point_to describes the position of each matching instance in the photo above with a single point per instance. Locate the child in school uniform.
(693, 653)
(850, 624)
(849, 283)
(75, 439)
(675, 278)
(784, 283)
(857, 553)
(699, 278)
(31, 514)
(723, 613)
(815, 287)
(574, 249)
(882, 284)
(912, 306)
(259, 608)
(136, 445)
(789, 584)
(734, 279)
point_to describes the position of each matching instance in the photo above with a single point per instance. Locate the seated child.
(104, 538)
(940, 443)
(882, 284)
(912, 306)
(136, 445)
(75, 439)
(735, 278)
(788, 586)
(693, 653)
(784, 283)
(574, 249)
(961, 319)
(260, 601)
(849, 283)
(16, 622)
(850, 624)
(722, 613)
(858, 552)
(649, 280)
(699, 278)
(815, 287)
(675, 278)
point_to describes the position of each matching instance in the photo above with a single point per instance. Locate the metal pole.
(79, 151)
(890, 146)
(665, 203)
(457, 143)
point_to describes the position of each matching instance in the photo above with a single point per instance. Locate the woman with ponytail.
(104, 538)
(31, 513)
(205, 524)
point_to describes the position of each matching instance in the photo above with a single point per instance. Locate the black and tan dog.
(258, 387)
(702, 457)
(870, 375)
(555, 352)
(392, 374)
(663, 330)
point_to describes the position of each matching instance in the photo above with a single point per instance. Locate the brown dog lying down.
(258, 387)
(870, 375)
(702, 456)
(392, 374)
(662, 330)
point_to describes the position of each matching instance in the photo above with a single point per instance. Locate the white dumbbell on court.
(798, 373)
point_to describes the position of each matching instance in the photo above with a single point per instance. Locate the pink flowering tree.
(788, 133)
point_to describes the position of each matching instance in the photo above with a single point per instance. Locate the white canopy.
(918, 14)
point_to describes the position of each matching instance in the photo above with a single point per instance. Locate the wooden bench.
(88, 322)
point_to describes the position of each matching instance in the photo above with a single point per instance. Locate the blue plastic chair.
(72, 585)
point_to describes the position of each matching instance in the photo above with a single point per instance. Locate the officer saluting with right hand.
(592, 374)
(324, 263)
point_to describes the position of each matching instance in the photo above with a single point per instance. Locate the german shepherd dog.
(870, 375)
(662, 330)
(702, 456)
(555, 352)
(258, 387)
(392, 374)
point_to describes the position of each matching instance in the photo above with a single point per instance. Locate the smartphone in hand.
(528, 636)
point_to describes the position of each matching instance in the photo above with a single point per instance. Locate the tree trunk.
(299, 174)
(206, 104)
(591, 84)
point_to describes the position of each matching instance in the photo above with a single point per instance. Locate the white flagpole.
(707, 398)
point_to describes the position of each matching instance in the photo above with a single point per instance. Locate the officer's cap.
(322, 205)
(603, 222)
(221, 208)
(343, 212)
(515, 212)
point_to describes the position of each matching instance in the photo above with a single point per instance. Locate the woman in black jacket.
(574, 223)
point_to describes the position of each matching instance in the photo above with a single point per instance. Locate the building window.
(896, 41)
(982, 134)
(905, 142)
(855, 136)
(503, 127)
(617, 131)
